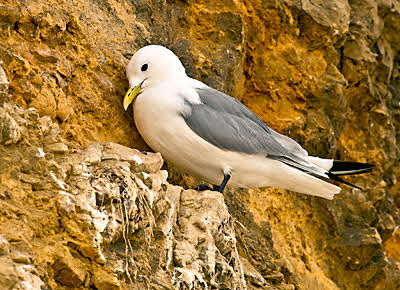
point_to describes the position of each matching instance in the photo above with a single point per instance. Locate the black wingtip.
(338, 179)
(350, 168)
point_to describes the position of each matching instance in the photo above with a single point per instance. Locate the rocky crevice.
(115, 220)
(79, 210)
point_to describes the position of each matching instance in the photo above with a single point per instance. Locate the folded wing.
(228, 124)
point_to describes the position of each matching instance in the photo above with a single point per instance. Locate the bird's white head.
(148, 66)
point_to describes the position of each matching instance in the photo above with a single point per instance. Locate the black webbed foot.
(216, 187)
(203, 187)
(219, 188)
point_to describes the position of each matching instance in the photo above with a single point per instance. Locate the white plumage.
(166, 117)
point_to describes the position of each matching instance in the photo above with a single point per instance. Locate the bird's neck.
(174, 81)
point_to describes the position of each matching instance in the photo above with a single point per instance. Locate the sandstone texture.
(81, 208)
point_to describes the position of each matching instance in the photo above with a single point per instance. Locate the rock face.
(104, 217)
(78, 211)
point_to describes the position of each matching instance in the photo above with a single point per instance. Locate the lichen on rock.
(78, 210)
(116, 221)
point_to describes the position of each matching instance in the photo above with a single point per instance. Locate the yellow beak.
(131, 95)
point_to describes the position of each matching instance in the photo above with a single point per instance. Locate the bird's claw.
(216, 187)
(203, 187)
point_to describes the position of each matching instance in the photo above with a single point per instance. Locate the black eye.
(145, 67)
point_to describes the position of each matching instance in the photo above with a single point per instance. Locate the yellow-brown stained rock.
(330, 84)
(104, 280)
(69, 271)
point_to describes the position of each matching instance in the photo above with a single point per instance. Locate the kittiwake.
(211, 135)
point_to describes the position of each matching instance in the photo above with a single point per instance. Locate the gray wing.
(228, 124)
(221, 102)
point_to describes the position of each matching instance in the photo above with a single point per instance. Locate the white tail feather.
(307, 184)
(323, 163)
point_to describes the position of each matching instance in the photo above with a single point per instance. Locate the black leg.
(220, 188)
(223, 184)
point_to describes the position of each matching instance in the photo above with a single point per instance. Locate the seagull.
(213, 136)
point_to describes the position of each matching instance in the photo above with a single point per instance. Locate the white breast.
(158, 117)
